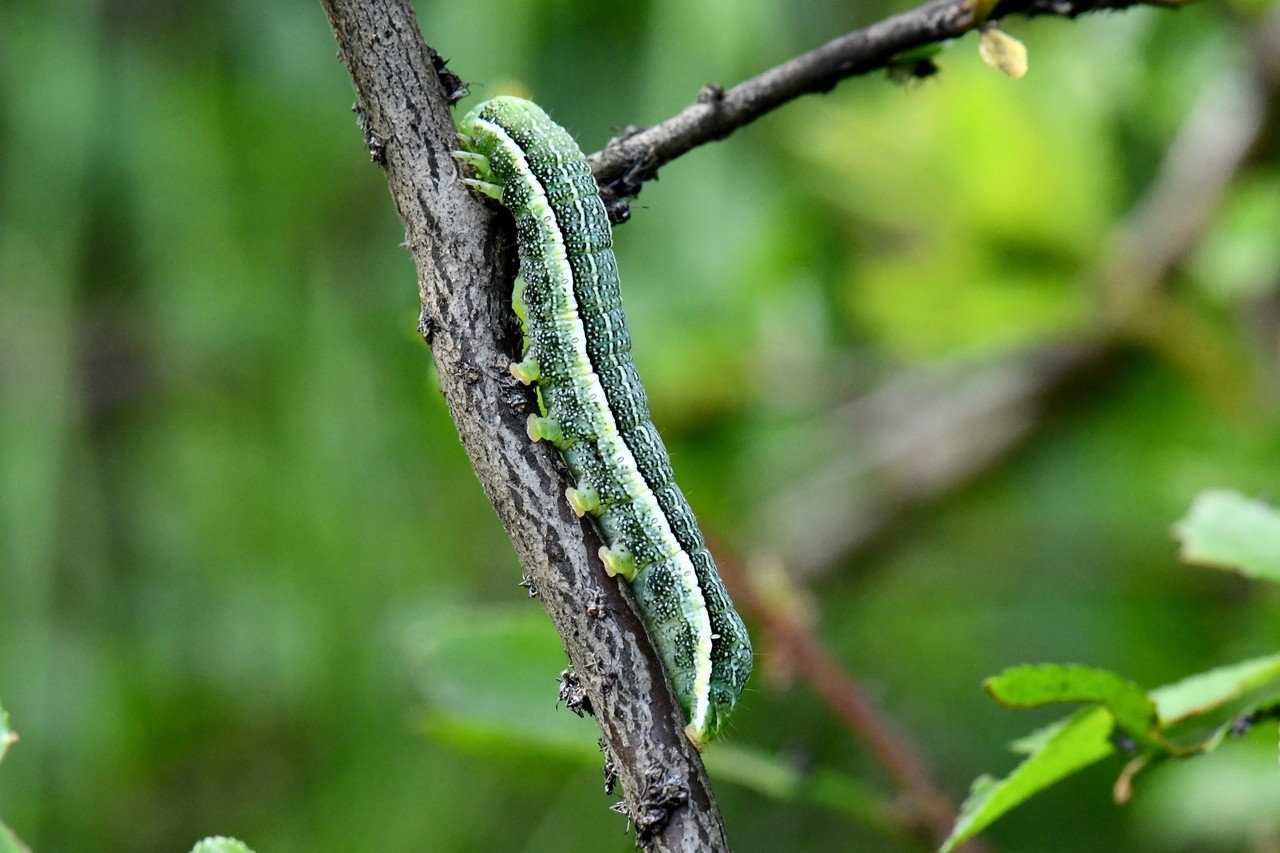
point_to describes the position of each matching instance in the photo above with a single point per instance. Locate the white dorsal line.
(612, 444)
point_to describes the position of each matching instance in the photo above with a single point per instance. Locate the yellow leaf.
(1001, 50)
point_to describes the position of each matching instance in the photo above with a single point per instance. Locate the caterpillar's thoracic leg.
(526, 371)
(583, 500)
(618, 561)
(544, 429)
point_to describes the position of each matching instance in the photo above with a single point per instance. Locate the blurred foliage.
(243, 561)
(1223, 529)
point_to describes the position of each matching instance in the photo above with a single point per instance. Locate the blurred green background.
(249, 585)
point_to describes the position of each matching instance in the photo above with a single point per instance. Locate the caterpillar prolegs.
(578, 351)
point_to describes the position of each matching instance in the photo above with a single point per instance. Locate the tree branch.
(465, 272)
(629, 160)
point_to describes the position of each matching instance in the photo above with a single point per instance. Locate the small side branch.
(623, 165)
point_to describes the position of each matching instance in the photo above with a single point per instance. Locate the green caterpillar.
(578, 351)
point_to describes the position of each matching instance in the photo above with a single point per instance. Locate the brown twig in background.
(623, 165)
(1166, 225)
(1213, 146)
(917, 437)
(927, 812)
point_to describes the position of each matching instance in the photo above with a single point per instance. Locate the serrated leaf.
(1002, 51)
(1226, 530)
(1063, 748)
(1032, 686)
(1032, 743)
(1212, 689)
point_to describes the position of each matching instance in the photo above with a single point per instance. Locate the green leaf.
(1032, 686)
(1059, 750)
(1226, 530)
(1208, 690)
(489, 676)
(1222, 529)
(220, 844)
(1247, 718)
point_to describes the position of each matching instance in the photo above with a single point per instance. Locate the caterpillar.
(578, 353)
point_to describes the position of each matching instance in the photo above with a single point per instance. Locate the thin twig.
(927, 812)
(623, 165)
